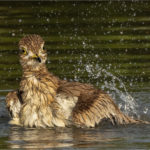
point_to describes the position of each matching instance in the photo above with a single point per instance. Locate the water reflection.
(112, 137)
(59, 137)
(39, 138)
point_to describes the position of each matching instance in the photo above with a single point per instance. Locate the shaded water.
(102, 43)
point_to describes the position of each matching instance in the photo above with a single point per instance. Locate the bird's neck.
(36, 80)
(33, 71)
(41, 74)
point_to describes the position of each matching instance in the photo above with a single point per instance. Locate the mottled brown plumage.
(44, 100)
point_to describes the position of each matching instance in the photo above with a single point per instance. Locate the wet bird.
(44, 100)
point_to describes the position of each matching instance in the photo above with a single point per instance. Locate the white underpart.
(67, 103)
(15, 109)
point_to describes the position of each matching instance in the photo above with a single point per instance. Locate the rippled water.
(103, 43)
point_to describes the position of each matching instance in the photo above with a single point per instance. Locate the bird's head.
(32, 53)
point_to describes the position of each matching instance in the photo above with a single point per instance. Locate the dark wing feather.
(93, 106)
(98, 108)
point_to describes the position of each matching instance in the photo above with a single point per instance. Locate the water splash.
(125, 101)
(112, 84)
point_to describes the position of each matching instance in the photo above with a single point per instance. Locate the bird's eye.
(43, 47)
(23, 51)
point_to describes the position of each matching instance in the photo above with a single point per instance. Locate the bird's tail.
(121, 119)
(137, 121)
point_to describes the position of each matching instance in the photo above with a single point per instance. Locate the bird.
(44, 100)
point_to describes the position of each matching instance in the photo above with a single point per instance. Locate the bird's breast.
(37, 91)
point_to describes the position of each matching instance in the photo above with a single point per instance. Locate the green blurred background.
(105, 35)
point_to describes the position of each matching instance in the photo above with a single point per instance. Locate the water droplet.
(20, 20)
(13, 34)
(96, 55)
(121, 32)
(72, 19)
(47, 19)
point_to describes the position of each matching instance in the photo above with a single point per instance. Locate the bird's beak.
(36, 57)
(39, 59)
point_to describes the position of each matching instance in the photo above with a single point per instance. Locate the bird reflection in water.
(58, 137)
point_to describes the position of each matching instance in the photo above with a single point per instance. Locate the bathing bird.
(44, 100)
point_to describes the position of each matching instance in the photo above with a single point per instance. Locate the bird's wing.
(93, 105)
(13, 103)
(74, 88)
